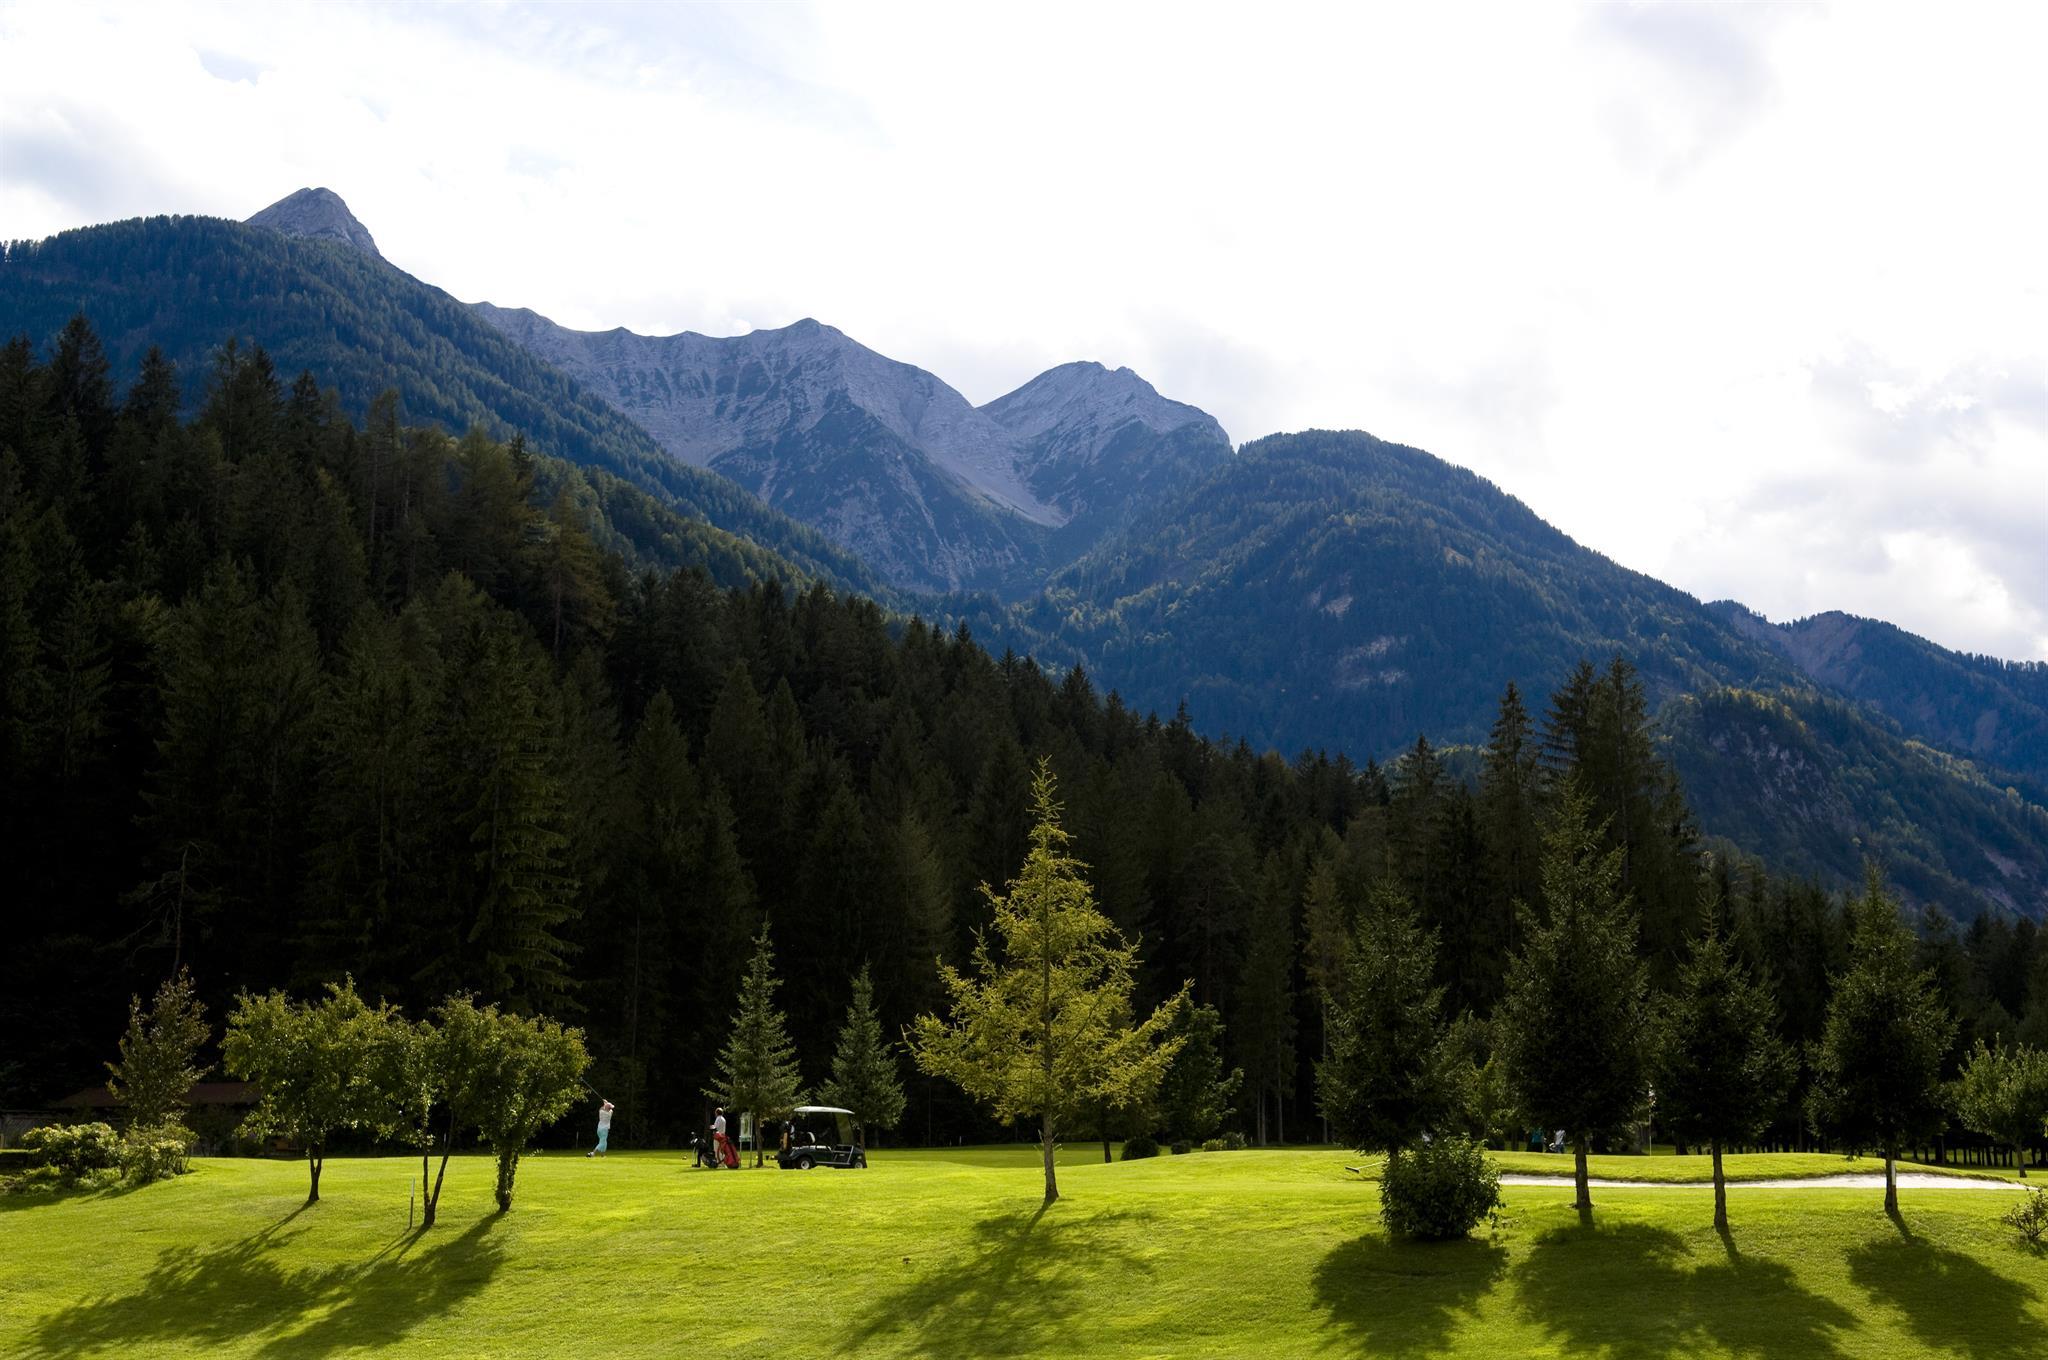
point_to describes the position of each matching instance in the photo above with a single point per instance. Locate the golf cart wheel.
(804, 1163)
(860, 1159)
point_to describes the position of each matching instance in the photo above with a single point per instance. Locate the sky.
(1751, 298)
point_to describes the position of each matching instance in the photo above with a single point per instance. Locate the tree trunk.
(2019, 1158)
(1052, 1185)
(1584, 1203)
(1891, 1185)
(1720, 1191)
(313, 1165)
(508, 1167)
(434, 1199)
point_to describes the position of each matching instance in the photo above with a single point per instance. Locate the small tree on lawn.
(1571, 1023)
(456, 1062)
(864, 1075)
(1196, 1093)
(534, 1069)
(2003, 1092)
(312, 1064)
(156, 1068)
(1389, 1078)
(1721, 1070)
(1877, 1068)
(757, 1072)
(406, 1074)
(1037, 1026)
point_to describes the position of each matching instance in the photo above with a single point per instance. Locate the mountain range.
(1315, 589)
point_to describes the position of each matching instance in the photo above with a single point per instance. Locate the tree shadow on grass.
(247, 1290)
(1635, 1293)
(1951, 1302)
(1017, 1282)
(1405, 1298)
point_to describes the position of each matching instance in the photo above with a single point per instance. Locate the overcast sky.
(1754, 299)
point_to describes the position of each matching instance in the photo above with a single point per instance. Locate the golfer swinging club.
(604, 1129)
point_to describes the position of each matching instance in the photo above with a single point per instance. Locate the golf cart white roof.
(820, 1109)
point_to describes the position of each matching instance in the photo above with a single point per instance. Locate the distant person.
(1557, 1144)
(719, 1141)
(604, 1129)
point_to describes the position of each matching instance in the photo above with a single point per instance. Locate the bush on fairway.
(155, 1153)
(66, 1154)
(2029, 1217)
(1144, 1145)
(1439, 1190)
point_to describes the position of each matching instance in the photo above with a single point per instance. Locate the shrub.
(1440, 1190)
(1182, 1148)
(1214, 1145)
(155, 1153)
(2030, 1216)
(68, 1153)
(1144, 1145)
(1233, 1141)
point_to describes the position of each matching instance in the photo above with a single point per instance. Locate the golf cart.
(802, 1144)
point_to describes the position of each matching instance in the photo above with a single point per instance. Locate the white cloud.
(1647, 267)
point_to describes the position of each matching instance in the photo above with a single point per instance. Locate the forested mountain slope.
(1334, 590)
(1991, 710)
(187, 284)
(283, 699)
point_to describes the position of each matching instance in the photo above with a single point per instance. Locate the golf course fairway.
(945, 1253)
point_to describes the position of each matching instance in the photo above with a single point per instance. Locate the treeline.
(285, 698)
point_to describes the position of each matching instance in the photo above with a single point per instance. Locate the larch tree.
(1039, 1025)
(865, 1079)
(1877, 1068)
(1571, 1023)
(1721, 1070)
(757, 1072)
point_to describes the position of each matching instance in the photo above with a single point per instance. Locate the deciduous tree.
(1034, 1030)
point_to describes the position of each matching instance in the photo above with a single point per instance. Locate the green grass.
(1265, 1254)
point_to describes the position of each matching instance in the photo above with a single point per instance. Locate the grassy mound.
(945, 1252)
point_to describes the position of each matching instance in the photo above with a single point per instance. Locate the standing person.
(604, 1129)
(718, 1139)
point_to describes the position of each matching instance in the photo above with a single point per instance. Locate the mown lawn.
(1266, 1254)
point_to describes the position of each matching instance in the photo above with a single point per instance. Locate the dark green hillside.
(1334, 589)
(1993, 711)
(187, 284)
(1814, 784)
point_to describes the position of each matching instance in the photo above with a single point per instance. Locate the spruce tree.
(1877, 1077)
(1571, 1024)
(757, 1072)
(1389, 1078)
(864, 1075)
(1721, 1070)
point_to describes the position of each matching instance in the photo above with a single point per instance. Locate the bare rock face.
(1096, 442)
(320, 215)
(885, 458)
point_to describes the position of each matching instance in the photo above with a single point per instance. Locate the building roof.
(202, 1093)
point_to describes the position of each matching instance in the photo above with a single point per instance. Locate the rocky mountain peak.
(320, 215)
(1086, 393)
